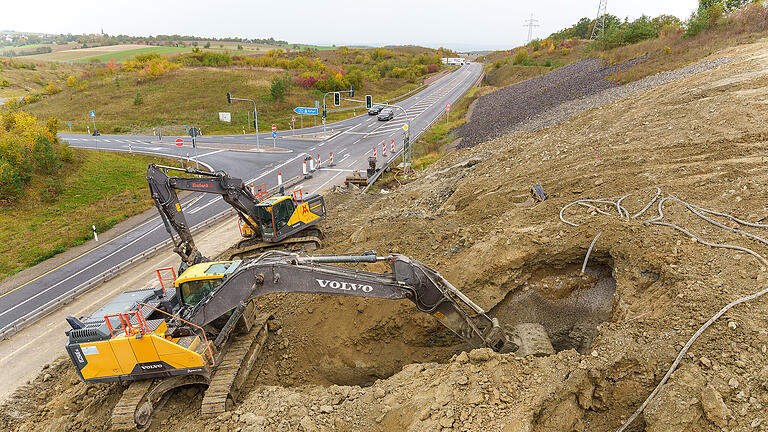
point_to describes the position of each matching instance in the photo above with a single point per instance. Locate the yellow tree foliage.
(71, 81)
(52, 88)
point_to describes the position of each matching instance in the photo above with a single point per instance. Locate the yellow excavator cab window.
(195, 290)
(275, 216)
(283, 212)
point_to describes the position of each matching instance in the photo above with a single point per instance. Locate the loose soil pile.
(346, 364)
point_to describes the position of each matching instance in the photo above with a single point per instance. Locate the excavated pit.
(384, 336)
(568, 304)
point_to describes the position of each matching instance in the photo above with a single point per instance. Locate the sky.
(459, 25)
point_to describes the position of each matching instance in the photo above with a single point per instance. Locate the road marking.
(78, 257)
(329, 180)
(86, 268)
(210, 153)
(197, 209)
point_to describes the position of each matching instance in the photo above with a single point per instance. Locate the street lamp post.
(407, 147)
(255, 115)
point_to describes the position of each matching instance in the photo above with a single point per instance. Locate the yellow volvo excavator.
(278, 222)
(205, 329)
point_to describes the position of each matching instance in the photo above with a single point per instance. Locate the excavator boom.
(283, 272)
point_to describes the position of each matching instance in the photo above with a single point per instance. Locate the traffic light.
(323, 112)
(351, 91)
(229, 97)
(336, 98)
(368, 101)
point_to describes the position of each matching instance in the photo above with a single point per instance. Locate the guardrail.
(389, 163)
(21, 323)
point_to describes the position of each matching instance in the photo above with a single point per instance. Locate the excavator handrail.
(205, 338)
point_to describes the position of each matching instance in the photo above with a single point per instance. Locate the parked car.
(375, 109)
(386, 114)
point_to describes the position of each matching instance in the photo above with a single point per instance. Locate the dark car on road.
(375, 109)
(386, 114)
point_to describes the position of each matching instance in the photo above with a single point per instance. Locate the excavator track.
(310, 240)
(234, 367)
(134, 410)
(124, 414)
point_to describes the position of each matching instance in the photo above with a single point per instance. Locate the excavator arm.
(163, 191)
(275, 272)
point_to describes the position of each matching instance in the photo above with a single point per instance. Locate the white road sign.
(225, 117)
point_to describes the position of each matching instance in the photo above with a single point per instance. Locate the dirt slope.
(701, 138)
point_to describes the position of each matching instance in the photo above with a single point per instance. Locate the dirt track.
(702, 138)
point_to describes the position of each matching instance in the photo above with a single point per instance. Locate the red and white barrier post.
(253, 189)
(393, 146)
(304, 168)
(374, 151)
(318, 161)
(279, 178)
(331, 163)
(384, 148)
(311, 164)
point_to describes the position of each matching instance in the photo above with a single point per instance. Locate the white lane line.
(84, 269)
(145, 151)
(336, 169)
(329, 180)
(197, 209)
(313, 148)
(210, 153)
(278, 167)
(321, 144)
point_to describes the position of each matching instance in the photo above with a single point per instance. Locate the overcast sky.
(460, 25)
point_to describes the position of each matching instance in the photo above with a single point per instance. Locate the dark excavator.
(277, 222)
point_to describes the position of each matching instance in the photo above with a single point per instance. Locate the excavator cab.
(282, 216)
(200, 280)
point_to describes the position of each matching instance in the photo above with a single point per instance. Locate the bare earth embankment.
(345, 364)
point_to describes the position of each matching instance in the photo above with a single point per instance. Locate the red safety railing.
(260, 191)
(163, 279)
(300, 197)
(125, 321)
(207, 345)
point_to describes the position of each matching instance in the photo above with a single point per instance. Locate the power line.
(599, 28)
(530, 23)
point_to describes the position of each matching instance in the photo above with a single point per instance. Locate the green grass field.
(191, 96)
(102, 189)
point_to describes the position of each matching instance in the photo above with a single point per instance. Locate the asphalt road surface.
(351, 141)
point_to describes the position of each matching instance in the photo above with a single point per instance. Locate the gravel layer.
(543, 101)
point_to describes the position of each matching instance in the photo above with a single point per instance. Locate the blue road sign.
(274, 134)
(69, 123)
(305, 110)
(93, 113)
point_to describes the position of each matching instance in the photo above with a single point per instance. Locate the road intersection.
(351, 141)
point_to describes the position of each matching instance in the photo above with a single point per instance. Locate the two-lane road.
(351, 144)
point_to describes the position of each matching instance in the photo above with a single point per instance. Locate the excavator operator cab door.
(274, 216)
